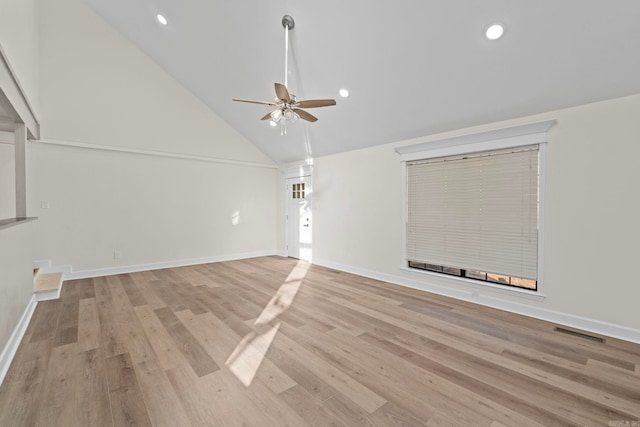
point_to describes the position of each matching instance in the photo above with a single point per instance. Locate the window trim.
(516, 136)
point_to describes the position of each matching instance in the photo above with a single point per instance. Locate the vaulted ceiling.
(412, 67)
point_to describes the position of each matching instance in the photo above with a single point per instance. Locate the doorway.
(299, 217)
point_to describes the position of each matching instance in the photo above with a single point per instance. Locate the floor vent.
(579, 334)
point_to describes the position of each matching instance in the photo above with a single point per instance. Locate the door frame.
(300, 171)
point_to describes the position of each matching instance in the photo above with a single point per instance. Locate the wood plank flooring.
(277, 342)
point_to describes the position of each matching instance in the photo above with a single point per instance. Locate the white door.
(299, 234)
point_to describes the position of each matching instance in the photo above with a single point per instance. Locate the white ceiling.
(413, 67)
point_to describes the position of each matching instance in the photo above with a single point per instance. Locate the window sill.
(484, 286)
(12, 222)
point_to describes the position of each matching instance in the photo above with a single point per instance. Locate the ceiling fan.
(287, 108)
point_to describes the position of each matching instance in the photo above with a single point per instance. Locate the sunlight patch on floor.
(247, 357)
(282, 300)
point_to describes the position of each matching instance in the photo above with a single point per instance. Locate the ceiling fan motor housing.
(288, 22)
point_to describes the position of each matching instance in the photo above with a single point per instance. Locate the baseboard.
(583, 323)
(85, 274)
(281, 253)
(48, 295)
(12, 345)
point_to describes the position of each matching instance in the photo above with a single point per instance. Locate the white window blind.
(475, 212)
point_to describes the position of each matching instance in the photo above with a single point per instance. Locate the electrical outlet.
(44, 204)
(116, 255)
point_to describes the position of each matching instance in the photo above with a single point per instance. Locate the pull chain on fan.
(288, 108)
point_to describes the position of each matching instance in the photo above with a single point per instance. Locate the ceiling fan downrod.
(288, 23)
(286, 114)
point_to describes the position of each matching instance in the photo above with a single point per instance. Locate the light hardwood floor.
(276, 342)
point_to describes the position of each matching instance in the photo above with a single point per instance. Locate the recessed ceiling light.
(161, 19)
(494, 31)
(344, 93)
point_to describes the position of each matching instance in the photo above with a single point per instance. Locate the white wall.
(7, 181)
(98, 89)
(19, 40)
(151, 209)
(591, 212)
(16, 276)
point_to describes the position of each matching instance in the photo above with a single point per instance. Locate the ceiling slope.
(413, 67)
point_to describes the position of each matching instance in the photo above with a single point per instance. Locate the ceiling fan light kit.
(287, 108)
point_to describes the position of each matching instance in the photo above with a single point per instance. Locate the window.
(472, 208)
(477, 275)
(298, 191)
